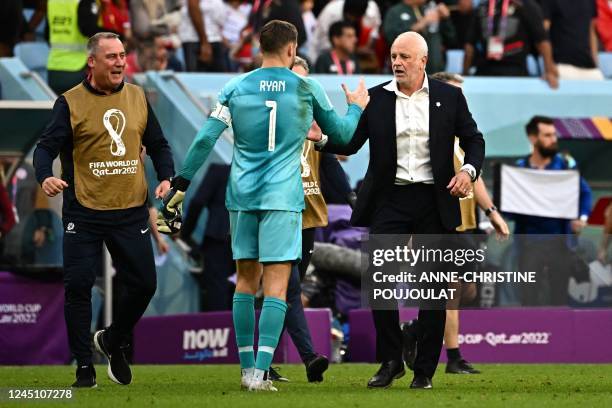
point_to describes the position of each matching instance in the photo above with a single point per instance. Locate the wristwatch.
(321, 143)
(470, 170)
(490, 210)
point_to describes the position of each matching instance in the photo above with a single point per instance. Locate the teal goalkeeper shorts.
(266, 235)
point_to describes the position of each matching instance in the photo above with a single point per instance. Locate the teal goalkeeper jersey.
(270, 110)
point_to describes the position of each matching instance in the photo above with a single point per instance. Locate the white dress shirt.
(331, 13)
(412, 135)
(214, 14)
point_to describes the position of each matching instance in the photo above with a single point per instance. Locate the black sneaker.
(409, 342)
(460, 367)
(316, 367)
(274, 375)
(118, 367)
(85, 377)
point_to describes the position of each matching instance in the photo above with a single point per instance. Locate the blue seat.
(34, 56)
(605, 63)
(454, 61)
(535, 67)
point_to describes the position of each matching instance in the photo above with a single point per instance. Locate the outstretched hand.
(359, 96)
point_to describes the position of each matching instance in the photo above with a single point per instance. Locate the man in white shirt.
(411, 186)
(200, 33)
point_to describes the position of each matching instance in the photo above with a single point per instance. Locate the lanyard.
(349, 66)
(257, 3)
(14, 190)
(504, 18)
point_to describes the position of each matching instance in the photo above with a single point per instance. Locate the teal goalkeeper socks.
(243, 312)
(271, 323)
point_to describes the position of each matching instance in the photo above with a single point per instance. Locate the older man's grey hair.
(94, 41)
(422, 44)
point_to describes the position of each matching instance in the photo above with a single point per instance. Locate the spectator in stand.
(10, 26)
(428, 19)
(340, 59)
(201, 35)
(571, 27)
(215, 246)
(149, 55)
(7, 216)
(114, 16)
(247, 52)
(602, 253)
(29, 27)
(310, 24)
(501, 36)
(604, 23)
(151, 18)
(286, 10)
(461, 16)
(71, 23)
(363, 14)
(547, 255)
(236, 19)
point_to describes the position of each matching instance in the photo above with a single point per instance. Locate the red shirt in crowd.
(604, 23)
(7, 215)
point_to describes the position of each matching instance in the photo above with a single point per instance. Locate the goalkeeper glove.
(170, 217)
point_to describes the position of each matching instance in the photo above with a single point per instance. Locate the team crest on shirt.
(114, 122)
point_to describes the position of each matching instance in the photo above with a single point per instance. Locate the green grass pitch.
(500, 385)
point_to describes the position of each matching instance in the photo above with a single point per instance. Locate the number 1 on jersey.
(272, 127)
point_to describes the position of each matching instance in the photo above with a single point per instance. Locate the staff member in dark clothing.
(216, 246)
(99, 128)
(71, 23)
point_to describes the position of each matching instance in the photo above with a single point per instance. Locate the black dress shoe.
(388, 371)
(409, 342)
(460, 367)
(316, 367)
(421, 382)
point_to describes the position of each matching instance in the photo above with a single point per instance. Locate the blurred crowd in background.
(336, 36)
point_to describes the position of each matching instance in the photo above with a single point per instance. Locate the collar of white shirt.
(392, 87)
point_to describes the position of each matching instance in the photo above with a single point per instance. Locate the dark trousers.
(191, 51)
(62, 81)
(410, 209)
(132, 256)
(218, 266)
(295, 320)
(549, 259)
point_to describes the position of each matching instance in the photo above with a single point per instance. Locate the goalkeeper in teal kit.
(270, 110)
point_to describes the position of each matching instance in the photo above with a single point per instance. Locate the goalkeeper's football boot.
(85, 377)
(245, 379)
(118, 367)
(262, 385)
